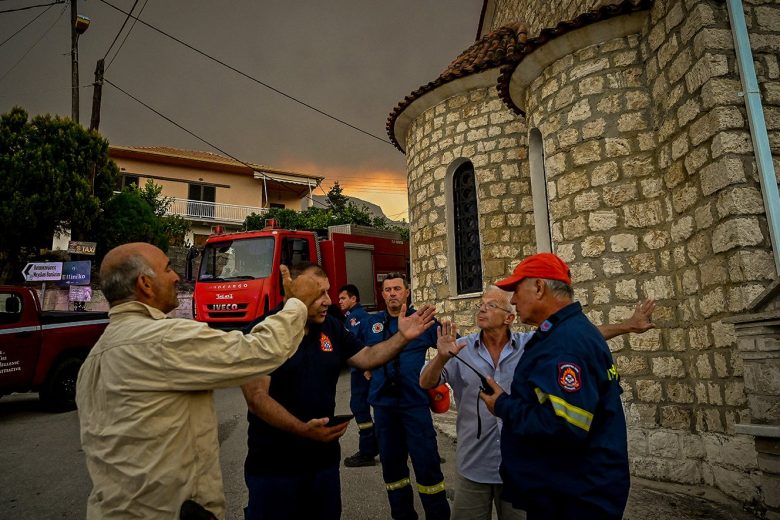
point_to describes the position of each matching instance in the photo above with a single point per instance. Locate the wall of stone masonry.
(718, 251)
(653, 193)
(540, 14)
(476, 126)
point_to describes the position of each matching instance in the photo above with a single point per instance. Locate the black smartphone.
(339, 419)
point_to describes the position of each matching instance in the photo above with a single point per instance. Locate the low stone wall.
(56, 299)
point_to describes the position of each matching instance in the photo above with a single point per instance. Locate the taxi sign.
(42, 271)
(82, 248)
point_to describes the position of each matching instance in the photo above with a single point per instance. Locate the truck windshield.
(244, 259)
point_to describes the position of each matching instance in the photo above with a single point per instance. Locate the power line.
(127, 34)
(120, 30)
(193, 134)
(252, 78)
(31, 7)
(34, 44)
(27, 24)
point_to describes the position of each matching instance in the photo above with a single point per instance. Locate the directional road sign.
(42, 271)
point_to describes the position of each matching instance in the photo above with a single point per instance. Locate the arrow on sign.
(42, 271)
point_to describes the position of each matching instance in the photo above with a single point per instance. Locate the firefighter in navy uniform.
(356, 319)
(292, 464)
(403, 422)
(563, 442)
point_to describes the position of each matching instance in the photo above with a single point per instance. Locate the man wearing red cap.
(563, 441)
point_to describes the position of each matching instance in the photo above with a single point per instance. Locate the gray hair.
(504, 297)
(559, 289)
(118, 281)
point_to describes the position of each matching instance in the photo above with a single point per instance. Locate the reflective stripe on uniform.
(365, 425)
(431, 490)
(392, 486)
(572, 414)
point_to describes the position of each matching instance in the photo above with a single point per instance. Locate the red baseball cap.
(541, 265)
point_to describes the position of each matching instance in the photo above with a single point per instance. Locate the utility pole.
(78, 24)
(97, 94)
(74, 62)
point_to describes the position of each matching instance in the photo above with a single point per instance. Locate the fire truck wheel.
(59, 391)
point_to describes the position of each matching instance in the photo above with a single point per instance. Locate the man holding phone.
(292, 466)
(493, 351)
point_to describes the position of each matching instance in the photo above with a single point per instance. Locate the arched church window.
(468, 253)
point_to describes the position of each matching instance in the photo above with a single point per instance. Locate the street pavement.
(43, 475)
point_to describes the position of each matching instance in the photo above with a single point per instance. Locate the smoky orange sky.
(304, 85)
(386, 188)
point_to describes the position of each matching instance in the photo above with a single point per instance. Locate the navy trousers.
(308, 494)
(405, 433)
(358, 403)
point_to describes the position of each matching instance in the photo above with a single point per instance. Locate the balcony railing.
(212, 211)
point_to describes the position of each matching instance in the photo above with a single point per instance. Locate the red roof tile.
(505, 48)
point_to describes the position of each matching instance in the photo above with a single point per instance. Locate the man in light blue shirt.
(495, 352)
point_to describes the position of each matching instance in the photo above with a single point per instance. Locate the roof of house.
(200, 159)
(504, 48)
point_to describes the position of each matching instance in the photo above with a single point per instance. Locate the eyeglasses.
(489, 306)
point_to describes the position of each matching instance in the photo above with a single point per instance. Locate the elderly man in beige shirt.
(144, 393)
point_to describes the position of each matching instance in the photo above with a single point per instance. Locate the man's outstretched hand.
(305, 287)
(642, 319)
(415, 324)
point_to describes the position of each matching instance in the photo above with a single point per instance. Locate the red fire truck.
(239, 278)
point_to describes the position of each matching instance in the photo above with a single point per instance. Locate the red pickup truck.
(42, 351)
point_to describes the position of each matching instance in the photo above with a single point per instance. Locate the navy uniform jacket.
(404, 370)
(306, 386)
(356, 317)
(564, 430)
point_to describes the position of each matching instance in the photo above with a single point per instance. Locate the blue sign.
(76, 273)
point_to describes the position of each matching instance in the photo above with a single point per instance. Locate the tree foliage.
(339, 210)
(128, 217)
(54, 175)
(175, 227)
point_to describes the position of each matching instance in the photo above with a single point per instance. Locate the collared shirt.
(564, 431)
(305, 385)
(479, 459)
(397, 382)
(148, 423)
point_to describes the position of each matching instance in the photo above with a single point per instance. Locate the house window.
(201, 200)
(127, 181)
(276, 205)
(468, 254)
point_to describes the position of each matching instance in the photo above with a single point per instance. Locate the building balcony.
(212, 212)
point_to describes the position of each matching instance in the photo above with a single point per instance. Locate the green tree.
(339, 210)
(175, 227)
(336, 199)
(54, 175)
(127, 217)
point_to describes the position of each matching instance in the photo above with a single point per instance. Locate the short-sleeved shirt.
(479, 459)
(404, 370)
(305, 385)
(564, 430)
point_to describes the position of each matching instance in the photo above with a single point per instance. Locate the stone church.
(639, 140)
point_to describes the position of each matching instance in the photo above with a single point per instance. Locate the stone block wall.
(540, 14)
(476, 126)
(653, 192)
